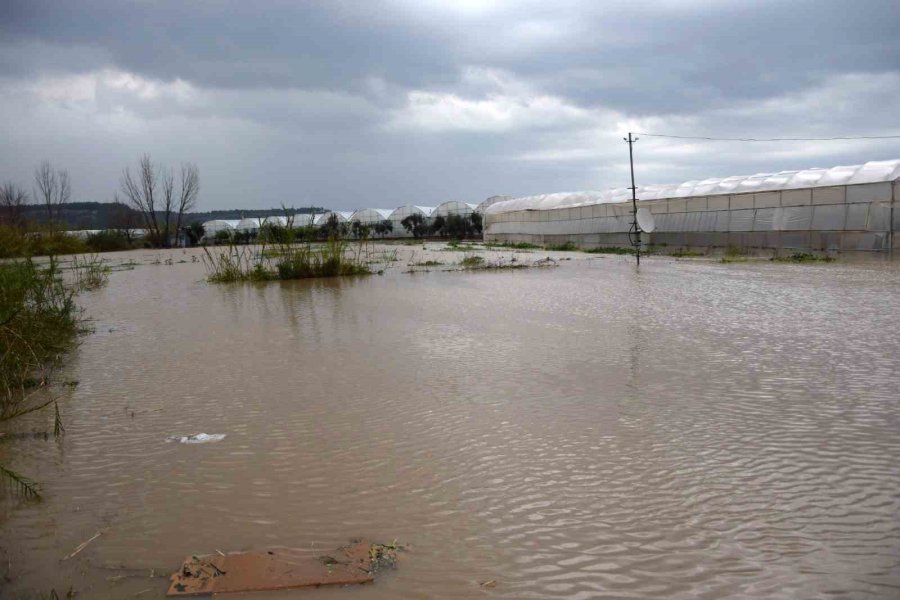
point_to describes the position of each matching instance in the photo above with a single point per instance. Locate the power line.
(792, 139)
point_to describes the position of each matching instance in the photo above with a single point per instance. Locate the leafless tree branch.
(54, 189)
(155, 196)
(12, 202)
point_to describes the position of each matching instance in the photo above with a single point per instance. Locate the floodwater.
(689, 430)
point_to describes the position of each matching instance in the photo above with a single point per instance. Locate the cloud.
(506, 104)
(395, 101)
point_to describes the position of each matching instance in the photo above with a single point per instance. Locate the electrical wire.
(790, 139)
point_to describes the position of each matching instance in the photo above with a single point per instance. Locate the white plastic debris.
(198, 438)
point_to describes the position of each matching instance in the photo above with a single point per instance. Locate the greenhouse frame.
(249, 224)
(453, 207)
(847, 208)
(211, 228)
(492, 200)
(401, 212)
(370, 216)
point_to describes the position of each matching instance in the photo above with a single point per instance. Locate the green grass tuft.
(803, 257)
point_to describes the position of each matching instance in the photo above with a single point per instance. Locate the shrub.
(38, 321)
(610, 250)
(17, 243)
(567, 247)
(109, 240)
(284, 261)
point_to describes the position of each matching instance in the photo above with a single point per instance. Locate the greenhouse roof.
(870, 172)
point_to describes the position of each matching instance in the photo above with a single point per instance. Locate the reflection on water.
(692, 430)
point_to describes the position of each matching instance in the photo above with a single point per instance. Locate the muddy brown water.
(689, 430)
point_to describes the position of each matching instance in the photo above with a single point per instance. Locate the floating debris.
(279, 570)
(197, 438)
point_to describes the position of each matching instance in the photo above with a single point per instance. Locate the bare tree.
(12, 202)
(53, 190)
(141, 191)
(153, 193)
(124, 219)
(187, 195)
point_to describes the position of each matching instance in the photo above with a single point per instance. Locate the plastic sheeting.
(401, 212)
(454, 207)
(342, 217)
(249, 224)
(870, 172)
(371, 215)
(492, 200)
(211, 228)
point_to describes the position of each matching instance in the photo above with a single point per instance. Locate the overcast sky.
(376, 103)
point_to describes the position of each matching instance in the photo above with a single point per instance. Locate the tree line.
(156, 198)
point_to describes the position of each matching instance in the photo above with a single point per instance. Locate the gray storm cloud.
(349, 104)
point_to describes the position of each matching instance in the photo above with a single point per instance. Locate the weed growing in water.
(513, 245)
(802, 257)
(38, 322)
(90, 272)
(610, 250)
(471, 260)
(567, 247)
(284, 261)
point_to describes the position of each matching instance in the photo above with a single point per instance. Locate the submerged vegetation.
(566, 247)
(19, 242)
(286, 260)
(471, 260)
(38, 322)
(16, 242)
(512, 245)
(610, 250)
(802, 257)
(89, 272)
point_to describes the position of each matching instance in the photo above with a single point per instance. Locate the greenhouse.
(847, 208)
(401, 212)
(303, 220)
(211, 228)
(279, 221)
(342, 217)
(249, 225)
(454, 207)
(492, 200)
(368, 216)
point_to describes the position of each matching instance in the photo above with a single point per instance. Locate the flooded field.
(689, 430)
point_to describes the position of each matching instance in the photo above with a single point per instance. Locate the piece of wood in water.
(271, 570)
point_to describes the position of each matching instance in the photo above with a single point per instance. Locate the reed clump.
(89, 271)
(803, 257)
(512, 245)
(16, 242)
(285, 261)
(39, 320)
(610, 250)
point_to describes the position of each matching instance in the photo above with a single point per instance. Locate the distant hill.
(106, 215)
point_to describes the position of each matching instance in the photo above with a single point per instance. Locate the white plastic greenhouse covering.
(371, 215)
(304, 219)
(249, 224)
(489, 201)
(342, 217)
(211, 228)
(454, 207)
(277, 221)
(401, 212)
(870, 172)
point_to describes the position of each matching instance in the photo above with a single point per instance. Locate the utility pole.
(634, 234)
